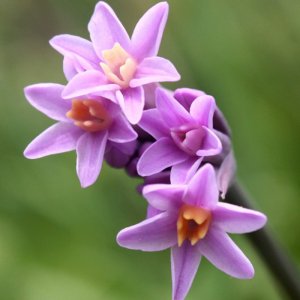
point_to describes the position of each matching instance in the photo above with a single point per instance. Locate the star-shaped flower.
(183, 136)
(113, 65)
(91, 126)
(190, 220)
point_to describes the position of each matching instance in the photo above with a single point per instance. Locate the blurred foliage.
(58, 241)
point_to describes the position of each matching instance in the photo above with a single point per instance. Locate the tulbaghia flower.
(88, 125)
(183, 137)
(224, 162)
(190, 220)
(113, 65)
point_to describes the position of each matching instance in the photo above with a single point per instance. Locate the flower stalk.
(272, 253)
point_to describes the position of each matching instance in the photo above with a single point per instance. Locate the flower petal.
(164, 196)
(154, 69)
(59, 138)
(185, 261)
(151, 212)
(182, 173)
(132, 101)
(70, 69)
(224, 254)
(154, 234)
(226, 173)
(211, 144)
(88, 82)
(46, 97)
(186, 96)
(121, 131)
(90, 151)
(73, 46)
(202, 110)
(148, 32)
(106, 29)
(236, 219)
(159, 156)
(202, 190)
(172, 112)
(153, 124)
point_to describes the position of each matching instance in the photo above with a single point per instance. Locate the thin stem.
(278, 263)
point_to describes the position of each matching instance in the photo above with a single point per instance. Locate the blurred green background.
(57, 241)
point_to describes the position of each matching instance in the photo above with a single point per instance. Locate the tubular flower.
(190, 220)
(112, 64)
(184, 135)
(89, 125)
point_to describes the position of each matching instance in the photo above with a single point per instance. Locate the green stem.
(278, 263)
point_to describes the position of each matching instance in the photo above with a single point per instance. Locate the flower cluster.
(113, 108)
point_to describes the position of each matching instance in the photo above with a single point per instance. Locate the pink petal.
(182, 173)
(154, 69)
(59, 138)
(202, 110)
(148, 32)
(202, 190)
(211, 144)
(121, 131)
(88, 82)
(151, 212)
(159, 156)
(154, 234)
(172, 112)
(70, 69)
(226, 173)
(224, 254)
(46, 97)
(236, 219)
(153, 124)
(132, 101)
(90, 151)
(164, 196)
(106, 29)
(186, 96)
(185, 261)
(73, 46)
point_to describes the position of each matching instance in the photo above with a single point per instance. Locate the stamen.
(118, 66)
(90, 115)
(192, 224)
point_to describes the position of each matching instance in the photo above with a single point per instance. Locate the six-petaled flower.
(112, 64)
(190, 220)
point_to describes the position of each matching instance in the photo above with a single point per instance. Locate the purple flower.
(88, 125)
(183, 136)
(113, 65)
(224, 162)
(190, 220)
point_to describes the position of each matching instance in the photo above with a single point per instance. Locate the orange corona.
(192, 224)
(90, 115)
(118, 66)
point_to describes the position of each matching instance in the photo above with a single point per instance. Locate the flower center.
(192, 224)
(118, 66)
(189, 140)
(89, 115)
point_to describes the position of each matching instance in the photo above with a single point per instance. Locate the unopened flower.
(113, 65)
(190, 220)
(91, 126)
(183, 136)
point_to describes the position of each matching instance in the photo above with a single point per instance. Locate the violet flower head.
(113, 65)
(183, 136)
(91, 126)
(190, 220)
